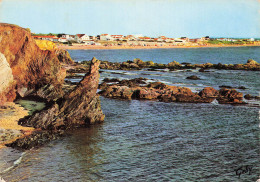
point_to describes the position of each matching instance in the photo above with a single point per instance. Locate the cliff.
(6, 81)
(32, 68)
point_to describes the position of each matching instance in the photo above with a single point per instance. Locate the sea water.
(156, 141)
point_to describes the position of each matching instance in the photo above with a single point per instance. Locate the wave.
(215, 102)
(15, 163)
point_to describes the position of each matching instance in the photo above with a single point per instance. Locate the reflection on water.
(152, 141)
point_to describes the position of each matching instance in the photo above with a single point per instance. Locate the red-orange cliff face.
(32, 68)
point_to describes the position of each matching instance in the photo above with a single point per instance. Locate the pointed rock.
(79, 107)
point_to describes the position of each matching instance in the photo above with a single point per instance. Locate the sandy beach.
(67, 47)
(10, 130)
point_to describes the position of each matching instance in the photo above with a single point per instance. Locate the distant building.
(196, 40)
(117, 37)
(62, 40)
(227, 39)
(130, 38)
(68, 37)
(92, 37)
(161, 39)
(144, 38)
(47, 37)
(81, 38)
(185, 39)
(106, 37)
(179, 40)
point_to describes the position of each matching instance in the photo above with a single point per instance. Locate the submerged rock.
(107, 80)
(250, 97)
(193, 77)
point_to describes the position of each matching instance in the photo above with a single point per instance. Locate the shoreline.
(100, 47)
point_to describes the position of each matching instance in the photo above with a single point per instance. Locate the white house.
(81, 38)
(129, 37)
(68, 37)
(106, 37)
(62, 40)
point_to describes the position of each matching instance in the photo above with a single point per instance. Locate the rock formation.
(6, 81)
(138, 64)
(32, 67)
(135, 89)
(79, 107)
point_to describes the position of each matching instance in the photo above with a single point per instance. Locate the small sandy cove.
(10, 113)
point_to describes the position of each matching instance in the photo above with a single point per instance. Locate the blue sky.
(173, 18)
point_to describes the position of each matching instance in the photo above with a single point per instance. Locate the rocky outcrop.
(229, 96)
(138, 64)
(193, 77)
(32, 67)
(209, 92)
(166, 93)
(250, 97)
(64, 56)
(37, 138)
(79, 107)
(6, 81)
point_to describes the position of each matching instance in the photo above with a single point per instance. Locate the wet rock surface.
(131, 89)
(193, 77)
(36, 139)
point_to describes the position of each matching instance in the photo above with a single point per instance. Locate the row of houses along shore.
(133, 39)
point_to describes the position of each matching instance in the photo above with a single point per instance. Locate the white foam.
(215, 102)
(16, 163)
(129, 73)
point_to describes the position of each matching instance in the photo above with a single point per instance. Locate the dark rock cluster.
(138, 89)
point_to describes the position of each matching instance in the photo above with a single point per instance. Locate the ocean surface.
(156, 141)
(226, 55)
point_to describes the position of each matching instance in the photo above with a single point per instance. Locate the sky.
(171, 18)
